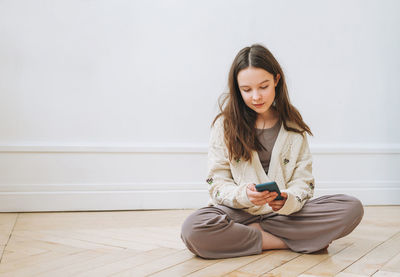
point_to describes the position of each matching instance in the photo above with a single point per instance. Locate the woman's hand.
(265, 197)
(278, 204)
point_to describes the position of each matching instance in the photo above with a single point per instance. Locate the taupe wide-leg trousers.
(222, 232)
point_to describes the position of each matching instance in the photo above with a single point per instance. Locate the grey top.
(267, 138)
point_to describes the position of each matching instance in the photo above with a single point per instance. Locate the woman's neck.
(268, 119)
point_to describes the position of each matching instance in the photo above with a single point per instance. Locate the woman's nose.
(256, 95)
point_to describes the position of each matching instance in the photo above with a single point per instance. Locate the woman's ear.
(277, 78)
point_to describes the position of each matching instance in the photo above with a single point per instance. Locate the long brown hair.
(239, 120)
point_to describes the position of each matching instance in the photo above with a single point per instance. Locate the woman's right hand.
(259, 198)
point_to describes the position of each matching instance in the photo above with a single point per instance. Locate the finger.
(278, 202)
(263, 200)
(260, 200)
(284, 195)
(251, 191)
(273, 203)
(251, 187)
(277, 207)
(271, 197)
(272, 194)
(256, 194)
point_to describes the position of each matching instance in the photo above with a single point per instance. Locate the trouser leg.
(317, 224)
(221, 232)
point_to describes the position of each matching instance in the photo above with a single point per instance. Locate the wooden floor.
(147, 243)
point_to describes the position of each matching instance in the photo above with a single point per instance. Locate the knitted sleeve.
(221, 185)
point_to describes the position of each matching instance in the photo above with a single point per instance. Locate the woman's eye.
(264, 87)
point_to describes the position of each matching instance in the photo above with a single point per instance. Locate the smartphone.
(270, 186)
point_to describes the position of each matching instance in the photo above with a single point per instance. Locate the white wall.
(107, 104)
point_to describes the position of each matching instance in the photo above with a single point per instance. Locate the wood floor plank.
(371, 230)
(89, 264)
(345, 274)
(15, 253)
(95, 237)
(168, 233)
(156, 265)
(53, 263)
(17, 242)
(226, 266)
(149, 238)
(376, 258)
(271, 260)
(7, 223)
(185, 268)
(333, 265)
(386, 274)
(340, 274)
(63, 240)
(302, 263)
(240, 274)
(2, 251)
(107, 219)
(308, 275)
(393, 265)
(31, 260)
(141, 258)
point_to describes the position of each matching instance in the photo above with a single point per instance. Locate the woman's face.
(257, 87)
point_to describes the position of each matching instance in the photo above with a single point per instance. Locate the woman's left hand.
(278, 204)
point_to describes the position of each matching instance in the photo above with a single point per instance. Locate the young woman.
(259, 137)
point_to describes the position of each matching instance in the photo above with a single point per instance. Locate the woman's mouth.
(258, 105)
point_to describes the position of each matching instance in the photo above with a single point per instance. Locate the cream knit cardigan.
(290, 168)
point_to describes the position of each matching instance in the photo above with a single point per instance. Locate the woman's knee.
(352, 213)
(198, 227)
(354, 207)
(189, 228)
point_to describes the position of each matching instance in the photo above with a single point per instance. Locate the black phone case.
(271, 186)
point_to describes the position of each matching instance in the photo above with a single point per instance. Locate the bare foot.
(269, 241)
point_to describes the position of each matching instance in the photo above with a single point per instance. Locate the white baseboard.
(30, 198)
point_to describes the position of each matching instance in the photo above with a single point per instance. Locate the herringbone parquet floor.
(147, 243)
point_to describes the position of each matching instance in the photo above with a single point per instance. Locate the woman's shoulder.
(293, 134)
(217, 130)
(218, 122)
